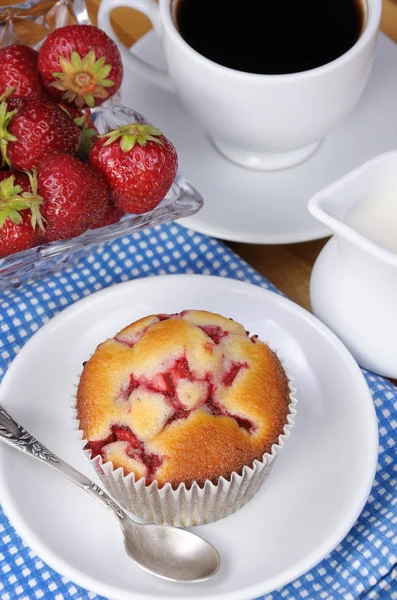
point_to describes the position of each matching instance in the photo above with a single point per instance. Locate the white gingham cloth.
(363, 566)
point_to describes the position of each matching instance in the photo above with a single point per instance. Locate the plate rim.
(313, 234)
(63, 568)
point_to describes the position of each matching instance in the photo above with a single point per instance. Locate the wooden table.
(287, 266)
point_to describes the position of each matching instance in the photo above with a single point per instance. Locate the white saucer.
(268, 207)
(312, 498)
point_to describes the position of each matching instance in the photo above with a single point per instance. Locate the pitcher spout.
(361, 208)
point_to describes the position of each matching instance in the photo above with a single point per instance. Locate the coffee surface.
(270, 36)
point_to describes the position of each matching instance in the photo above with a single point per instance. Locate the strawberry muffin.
(178, 411)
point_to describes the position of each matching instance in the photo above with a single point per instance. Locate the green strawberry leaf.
(5, 135)
(90, 132)
(7, 93)
(10, 213)
(132, 134)
(127, 142)
(13, 200)
(83, 78)
(8, 189)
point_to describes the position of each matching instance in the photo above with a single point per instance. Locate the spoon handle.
(13, 434)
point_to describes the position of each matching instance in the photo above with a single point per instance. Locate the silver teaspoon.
(168, 552)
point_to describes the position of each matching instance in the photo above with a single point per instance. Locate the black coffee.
(270, 36)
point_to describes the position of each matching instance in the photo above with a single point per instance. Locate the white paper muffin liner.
(182, 507)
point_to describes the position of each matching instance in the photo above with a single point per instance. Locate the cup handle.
(151, 9)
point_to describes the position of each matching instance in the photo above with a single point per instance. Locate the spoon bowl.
(184, 556)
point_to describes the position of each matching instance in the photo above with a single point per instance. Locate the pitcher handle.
(151, 9)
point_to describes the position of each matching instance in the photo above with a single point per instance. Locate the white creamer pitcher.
(353, 287)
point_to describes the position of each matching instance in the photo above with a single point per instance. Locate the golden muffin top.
(182, 398)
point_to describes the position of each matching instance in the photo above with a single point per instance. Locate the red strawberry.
(30, 132)
(80, 64)
(112, 215)
(17, 234)
(19, 70)
(75, 196)
(20, 219)
(89, 133)
(139, 164)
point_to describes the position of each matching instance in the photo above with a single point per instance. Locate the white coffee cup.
(257, 121)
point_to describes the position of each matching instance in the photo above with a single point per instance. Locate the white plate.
(268, 207)
(312, 498)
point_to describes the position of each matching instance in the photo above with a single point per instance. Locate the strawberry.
(75, 196)
(17, 234)
(19, 214)
(36, 128)
(112, 215)
(19, 70)
(80, 64)
(138, 162)
(89, 133)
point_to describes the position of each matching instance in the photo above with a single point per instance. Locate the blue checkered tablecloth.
(363, 566)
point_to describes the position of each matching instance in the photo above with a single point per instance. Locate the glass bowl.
(182, 200)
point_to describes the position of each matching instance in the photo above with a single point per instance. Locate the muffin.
(183, 415)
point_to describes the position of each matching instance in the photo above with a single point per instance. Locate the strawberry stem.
(83, 79)
(87, 133)
(35, 201)
(5, 135)
(7, 93)
(13, 200)
(132, 134)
